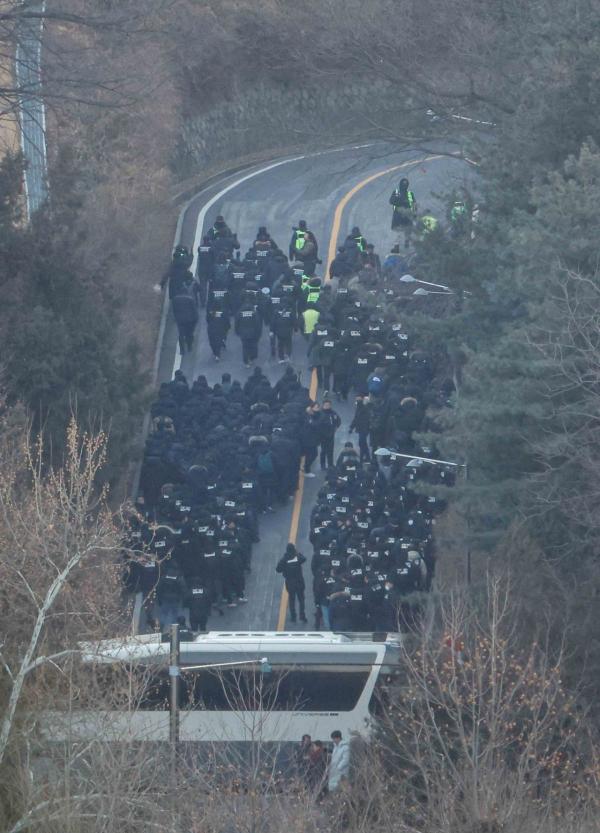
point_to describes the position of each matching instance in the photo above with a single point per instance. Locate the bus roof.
(280, 646)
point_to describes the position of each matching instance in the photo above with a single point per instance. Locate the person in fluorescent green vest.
(458, 218)
(312, 291)
(427, 223)
(310, 317)
(458, 211)
(404, 209)
(304, 247)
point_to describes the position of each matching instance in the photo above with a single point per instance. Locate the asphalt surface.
(31, 110)
(309, 189)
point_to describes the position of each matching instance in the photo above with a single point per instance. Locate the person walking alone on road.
(361, 423)
(330, 422)
(310, 437)
(290, 566)
(185, 312)
(199, 603)
(339, 765)
(405, 209)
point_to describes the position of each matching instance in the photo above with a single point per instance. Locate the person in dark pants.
(205, 268)
(199, 603)
(185, 311)
(282, 325)
(310, 437)
(330, 422)
(290, 566)
(217, 327)
(340, 366)
(170, 594)
(361, 423)
(248, 326)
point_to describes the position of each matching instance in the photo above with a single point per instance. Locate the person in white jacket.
(339, 765)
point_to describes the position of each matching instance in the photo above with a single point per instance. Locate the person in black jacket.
(205, 267)
(248, 326)
(217, 327)
(283, 324)
(185, 311)
(171, 588)
(310, 437)
(220, 229)
(330, 422)
(178, 272)
(361, 423)
(199, 603)
(291, 568)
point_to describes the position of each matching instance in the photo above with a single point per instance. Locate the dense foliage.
(59, 321)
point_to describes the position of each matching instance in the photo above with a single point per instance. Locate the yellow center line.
(331, 253)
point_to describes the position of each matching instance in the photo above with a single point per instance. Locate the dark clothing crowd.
(371, 528)
(259, 292)
(216, 458)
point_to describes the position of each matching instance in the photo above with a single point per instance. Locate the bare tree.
(59, 574)
(480, 736)
(73, 34)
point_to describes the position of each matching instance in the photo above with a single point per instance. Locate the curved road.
(333, 191)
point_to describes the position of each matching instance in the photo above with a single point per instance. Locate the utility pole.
(174, 675)
(468, 525)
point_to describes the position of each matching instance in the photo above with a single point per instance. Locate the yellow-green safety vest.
(428, 222)
(300, 240)
(313, 295)
(310, 316)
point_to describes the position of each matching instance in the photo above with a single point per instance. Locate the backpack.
(307, 250)
(375, 385)
(265, 463)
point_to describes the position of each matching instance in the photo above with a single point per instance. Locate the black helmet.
(404, 182)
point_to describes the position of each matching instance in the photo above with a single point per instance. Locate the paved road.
(311, 189)
(32, 115)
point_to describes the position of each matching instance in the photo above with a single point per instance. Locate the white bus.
(286, 685)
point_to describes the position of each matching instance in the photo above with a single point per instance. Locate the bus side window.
(279, 690)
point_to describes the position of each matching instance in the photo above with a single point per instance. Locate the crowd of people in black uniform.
(218, 457)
